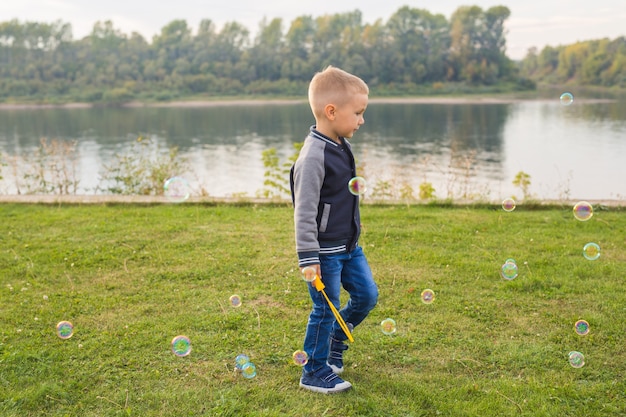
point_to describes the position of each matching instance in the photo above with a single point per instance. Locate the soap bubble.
(181, 345)
(248, 370)
(581, 327)
(509, 270)
(508, 204)
(591, 251)
(309, 274)
(235, 300)
(176, 189)
(388, 326)
(567, 98)
(357, 186)
(65, 329)
(428, 296)
(300, 357)
(241, 360)
(576, 359)
(583, 211)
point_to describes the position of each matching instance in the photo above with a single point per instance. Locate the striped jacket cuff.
(308, 258)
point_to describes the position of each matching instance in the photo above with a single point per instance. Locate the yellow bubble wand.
(310, 275)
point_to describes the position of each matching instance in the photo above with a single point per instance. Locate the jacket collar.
(314, 133)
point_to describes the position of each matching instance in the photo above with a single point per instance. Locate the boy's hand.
(314, 270)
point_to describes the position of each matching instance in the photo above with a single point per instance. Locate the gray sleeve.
(308, 179)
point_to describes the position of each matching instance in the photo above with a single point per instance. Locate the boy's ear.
(329, 111)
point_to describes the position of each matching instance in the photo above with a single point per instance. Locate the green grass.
(131, 277)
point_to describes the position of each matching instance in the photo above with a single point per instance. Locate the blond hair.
(333, 86)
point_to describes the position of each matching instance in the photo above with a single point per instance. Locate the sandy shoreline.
(266, 102)
(148, 199)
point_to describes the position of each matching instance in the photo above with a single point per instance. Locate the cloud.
(567, 23)
(556, 30)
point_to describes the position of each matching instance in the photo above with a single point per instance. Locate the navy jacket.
(326, 217)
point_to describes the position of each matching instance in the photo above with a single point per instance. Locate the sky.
(533, 23)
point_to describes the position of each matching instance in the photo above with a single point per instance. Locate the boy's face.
(349, 116)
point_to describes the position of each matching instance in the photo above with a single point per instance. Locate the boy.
(327, 224)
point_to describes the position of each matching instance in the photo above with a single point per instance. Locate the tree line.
(413, 48)
(595, 62)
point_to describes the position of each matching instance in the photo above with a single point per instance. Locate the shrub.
(522, 180)
(427, 191)
(142, 170)
(276, 174)
(52, 169)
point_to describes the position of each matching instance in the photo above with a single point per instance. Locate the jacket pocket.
(325, 216)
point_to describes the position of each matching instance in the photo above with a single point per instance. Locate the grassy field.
(131, 277)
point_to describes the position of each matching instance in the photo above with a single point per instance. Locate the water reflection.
(182, 127)
(463, 127)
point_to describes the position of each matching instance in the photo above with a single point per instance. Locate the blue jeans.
(351, 271)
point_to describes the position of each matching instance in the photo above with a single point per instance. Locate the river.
(464, 150)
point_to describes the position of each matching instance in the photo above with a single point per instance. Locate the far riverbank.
(269, 101)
